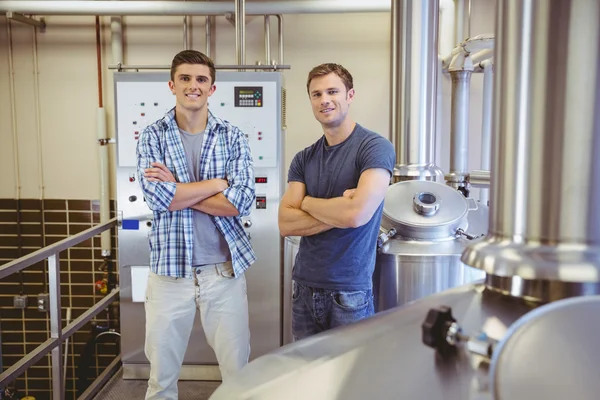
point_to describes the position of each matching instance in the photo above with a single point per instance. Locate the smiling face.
(330, 99)
(192, 85)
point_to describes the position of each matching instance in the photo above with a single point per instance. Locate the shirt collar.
(213, 121)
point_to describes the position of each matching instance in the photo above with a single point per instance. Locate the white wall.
(69, 91)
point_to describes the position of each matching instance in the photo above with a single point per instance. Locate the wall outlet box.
(20, 301)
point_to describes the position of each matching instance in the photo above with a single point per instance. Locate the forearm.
(189, 194)
(338, 212)
(217, 205)
(295, 222)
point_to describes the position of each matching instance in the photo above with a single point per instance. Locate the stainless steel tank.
(433, 223)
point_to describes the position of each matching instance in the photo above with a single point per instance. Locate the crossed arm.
(301, 215)
(205, 196)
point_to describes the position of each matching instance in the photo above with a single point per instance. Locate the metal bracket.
(231, 18)
(41, 24)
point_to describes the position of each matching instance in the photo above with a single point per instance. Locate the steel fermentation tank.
(432, 223)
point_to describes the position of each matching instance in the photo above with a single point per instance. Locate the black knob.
(435, 329)
(132, 198)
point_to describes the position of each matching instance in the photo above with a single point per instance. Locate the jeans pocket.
(351, 300)
(226, 270)
(295, 290)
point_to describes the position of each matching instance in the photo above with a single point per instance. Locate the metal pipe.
(544, 207)
(267, 39)
(116, 41)
(459, 21)
(224, 66)
(13, 109)
(416, 65)
(38, 125)
(394, 75)
(240, 32)
(459, 122)
(479, 178)
(109, 7)
(486, 123)
(58, 386)
(280, 33)
(208, 34)
(186, 45)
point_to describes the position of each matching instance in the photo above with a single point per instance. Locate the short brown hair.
(328, 68)
(192, 57)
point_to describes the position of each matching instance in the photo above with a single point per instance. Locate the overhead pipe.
(413, 96)
(543, 241)
(181, 8)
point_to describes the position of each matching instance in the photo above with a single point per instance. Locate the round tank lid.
(550, 353)
(424, 209)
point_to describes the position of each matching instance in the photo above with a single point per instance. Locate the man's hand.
(159, 173)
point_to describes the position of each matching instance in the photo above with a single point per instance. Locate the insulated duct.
(544, 237)
(414, 82)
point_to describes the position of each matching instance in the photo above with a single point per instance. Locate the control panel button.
(261, 202)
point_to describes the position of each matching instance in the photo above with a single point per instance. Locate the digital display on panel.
(248, 96)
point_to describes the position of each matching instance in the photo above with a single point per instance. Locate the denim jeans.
(316, 310)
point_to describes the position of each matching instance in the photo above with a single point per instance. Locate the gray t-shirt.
(340, 259)
(210, 246)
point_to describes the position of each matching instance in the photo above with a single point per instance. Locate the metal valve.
(442, 332)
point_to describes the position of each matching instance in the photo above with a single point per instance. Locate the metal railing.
(58, 335)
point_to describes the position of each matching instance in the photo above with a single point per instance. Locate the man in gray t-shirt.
(334, 201)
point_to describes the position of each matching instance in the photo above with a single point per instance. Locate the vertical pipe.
(56, 327)
(13, 110)
(186, 45)
(459, 124)
(280, 33)
(459, 24)
(486, 124)
(207, 31)
(240, 32)
(267, 40)
(416, 67)
(543, 208)
(394, 75)
(116, 32)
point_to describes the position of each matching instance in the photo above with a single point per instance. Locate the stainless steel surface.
(39, 255)
(407, 270)
(459, 121)
(414, 80)
(208, 34)
(399, 211)
(550, 353)
(290, 250)
(424, 256)
(240, 32)
(264, 277)
(382, 357)
(119, 388)
(544, 206)
(122, 67)
(109, 7)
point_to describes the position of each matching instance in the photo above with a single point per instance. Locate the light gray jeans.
(171, 305)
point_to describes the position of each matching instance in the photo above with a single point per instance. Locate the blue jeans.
(316, 310)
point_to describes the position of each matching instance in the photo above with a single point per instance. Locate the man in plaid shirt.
(197, 177)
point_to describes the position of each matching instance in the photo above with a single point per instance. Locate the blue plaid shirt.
(225, 154)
